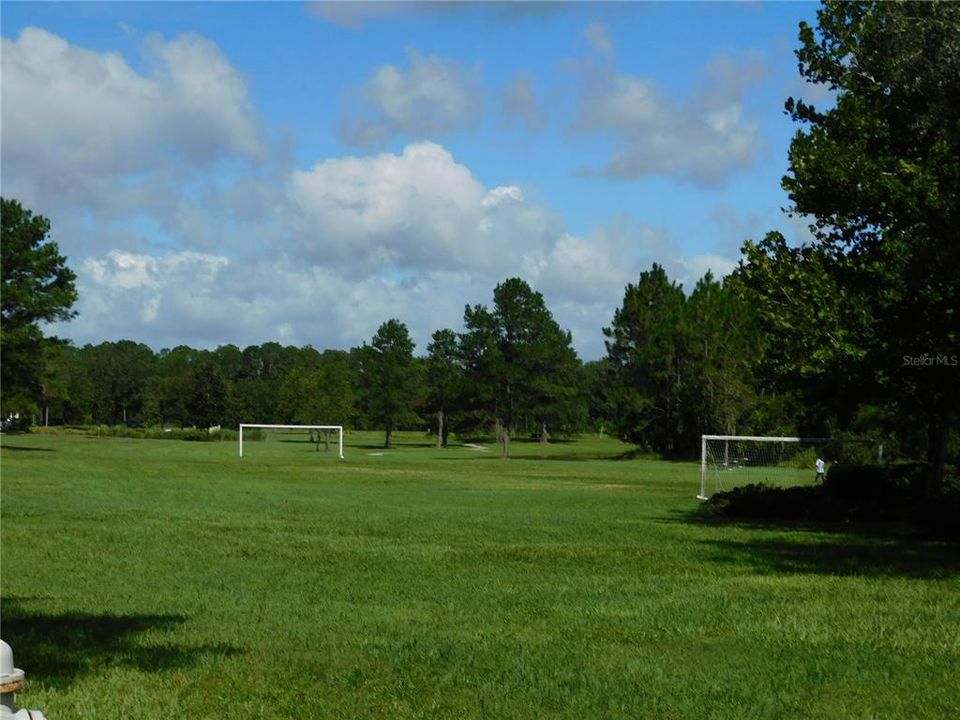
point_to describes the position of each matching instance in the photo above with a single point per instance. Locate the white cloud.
(77, 122)
(701, 142)
(418, 210)
(206, 300)
(518, 101)
(596, 36)
(688, 270)
(432, 97)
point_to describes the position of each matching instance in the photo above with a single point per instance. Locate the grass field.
(153, 579)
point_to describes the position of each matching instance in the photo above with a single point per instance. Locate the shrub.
(773, 503)
(142, 433)
(850, 492)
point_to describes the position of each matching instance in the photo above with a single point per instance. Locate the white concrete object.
(11, 681)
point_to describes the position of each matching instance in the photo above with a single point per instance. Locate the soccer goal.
(307, 428)
(729, 461)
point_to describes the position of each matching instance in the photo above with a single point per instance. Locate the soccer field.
(158, 579)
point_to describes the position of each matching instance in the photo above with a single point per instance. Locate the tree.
(319, 390)
(596, 388)
(880, 173)
(443, 375)
(68, 386)
(720, 348)
(480, 398)
(389, 377)
(229, 359)
(206, 395)
(336, 401)
(519, 362)
(643, 353)
(170, 385)
(37, 287)
(120, 373)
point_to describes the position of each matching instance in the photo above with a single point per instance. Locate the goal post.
(254, 426)
(732, 460)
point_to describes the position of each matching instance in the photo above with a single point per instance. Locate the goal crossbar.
(338, 428)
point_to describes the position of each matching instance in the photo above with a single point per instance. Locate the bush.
(773, 503)
(141, 433)
(939, 519)
(884, 484)
(849, 493)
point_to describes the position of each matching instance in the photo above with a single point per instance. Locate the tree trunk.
(389, 437)
(936, 456)
(441, 437)
(326, 441)
(544, 436)
(505, 443)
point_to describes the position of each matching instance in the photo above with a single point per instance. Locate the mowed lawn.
(159, 579)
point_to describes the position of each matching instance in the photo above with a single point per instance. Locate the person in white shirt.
(821, 469)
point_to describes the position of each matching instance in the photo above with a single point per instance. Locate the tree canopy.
(519, 360)
(879, 171)
(389, 378)
(38, 287)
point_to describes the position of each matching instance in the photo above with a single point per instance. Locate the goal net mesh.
(321, 438)
(730, 462)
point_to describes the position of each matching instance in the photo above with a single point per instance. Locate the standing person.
(821, 469)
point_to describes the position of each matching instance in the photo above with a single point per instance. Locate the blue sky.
(243, 172)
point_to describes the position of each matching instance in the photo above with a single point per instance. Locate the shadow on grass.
(22, 448)
(57, 649)
(402, 445)
(883, 549)
(494, 454)
(851, 556)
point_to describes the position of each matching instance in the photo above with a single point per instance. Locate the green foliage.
(643, 349)
(861, 493)
(206, 396)
(680, 367)
(319, 390)
(389, 378)
(120, 372)
(880, 173)
(519, 366)
(720, 349)
(37, 286)
(444, 378)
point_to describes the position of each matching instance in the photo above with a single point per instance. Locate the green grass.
(146, 579)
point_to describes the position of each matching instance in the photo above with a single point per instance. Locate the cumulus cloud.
(75, 120)
(596, 36)
(205, 300)
(412, 235)
(416, 210)
(356, 15)
(518, 101)
(433, 96)
(700, 142)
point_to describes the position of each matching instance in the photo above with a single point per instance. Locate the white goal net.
(729, 461)
(307, 430)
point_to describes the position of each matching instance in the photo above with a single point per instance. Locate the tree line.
(855, 332)
(510, 372)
